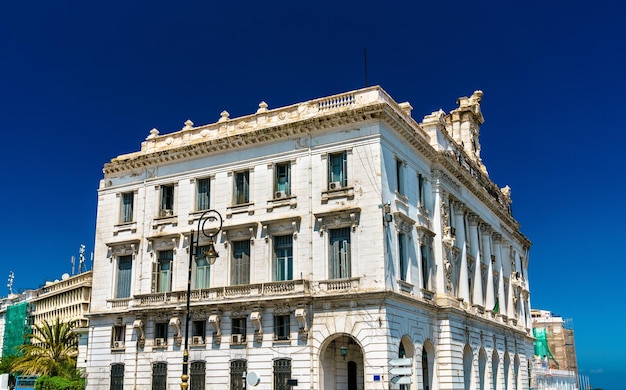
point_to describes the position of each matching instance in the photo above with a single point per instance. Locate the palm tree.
(52, 350)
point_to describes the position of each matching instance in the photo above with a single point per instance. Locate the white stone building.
(352, 235)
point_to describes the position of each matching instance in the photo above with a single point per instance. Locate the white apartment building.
(353, 235)
(67, 299)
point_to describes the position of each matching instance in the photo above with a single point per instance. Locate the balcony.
(216, 294)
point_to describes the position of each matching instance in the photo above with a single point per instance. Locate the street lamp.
(211, 255)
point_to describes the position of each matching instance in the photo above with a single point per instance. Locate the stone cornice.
(293, 121)
(486, 195)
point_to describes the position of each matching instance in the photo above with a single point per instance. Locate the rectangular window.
(282, 327)
(239, 327)
(337, 170)
(425, 265)
(127, 207)
(160, 331)
(202, 269)
(283, 257)
(159, 376)
(164, 271)
(241, 263)
(117, 377)
(242, 187)
(420, 190)
(282, 180)
(339, 256)
(166, 207)
(197, 375)
(202, 194)
(198, 328)
(282, 374)
(124, 272)
(237, 369)
(400, 177)
(402, 256)
(118, 337)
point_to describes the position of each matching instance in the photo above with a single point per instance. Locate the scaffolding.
(16, 327)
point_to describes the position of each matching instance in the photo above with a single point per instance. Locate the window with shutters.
(400, 166)
(240, 269)
(339, 256)
(127, 206)
(425, 265)
(203, 193)
(162, 273)
(283, 257)
(118, 336)
(242, 187)
(124, 274)
(166, 205)
(201, 269)
(337, 171)
(282, 180)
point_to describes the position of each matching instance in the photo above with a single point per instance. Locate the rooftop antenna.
(73, 262)
(81, 258)
(367, 84)
(10, 284)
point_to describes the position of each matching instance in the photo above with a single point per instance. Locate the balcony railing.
(287, 287)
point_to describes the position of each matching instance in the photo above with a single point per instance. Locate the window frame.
(167, 200)
(160, 271)
(241, 196)
(240, 266)
(400, 176)
(282, 327)
(339, 268)
(286, 260)
(239, 325)
(127, 209)
(203, 199)
(123, 290)
(281, 373)
(338, 160)
(403, 263)
(285, 189)
(205, 267)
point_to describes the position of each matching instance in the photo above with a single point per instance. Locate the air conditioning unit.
(118, 344)
(197, 340)
(236, 339)
(159, 342)
(166, 213)
(334, 185)
(280, 195)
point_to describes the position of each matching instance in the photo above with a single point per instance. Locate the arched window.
(117, 377)
(197, 375)
(468, 358)
(159, 376)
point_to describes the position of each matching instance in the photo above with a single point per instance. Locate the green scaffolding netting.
(541, 344)
(15, 328)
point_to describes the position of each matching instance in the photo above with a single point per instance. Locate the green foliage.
(59, 383)
(5, 364)
(52, 350)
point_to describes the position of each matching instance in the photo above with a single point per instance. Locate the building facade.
(555, 352)
(67, 299)
(359, 249)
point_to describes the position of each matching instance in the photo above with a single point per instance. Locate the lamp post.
(211, 255)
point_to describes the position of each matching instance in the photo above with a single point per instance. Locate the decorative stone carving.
(141, 338)
(175, 324)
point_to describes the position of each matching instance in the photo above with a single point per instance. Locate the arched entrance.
(341, 364)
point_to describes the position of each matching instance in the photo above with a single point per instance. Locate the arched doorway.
(341, 364)
(468, 360)
(428, 365)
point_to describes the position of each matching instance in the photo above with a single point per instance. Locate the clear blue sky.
(83, 81)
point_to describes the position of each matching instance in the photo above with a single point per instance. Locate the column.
(500, 297)
(490, 300)
(463, 286)
(477, 293)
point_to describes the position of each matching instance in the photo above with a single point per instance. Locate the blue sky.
(82, 82)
